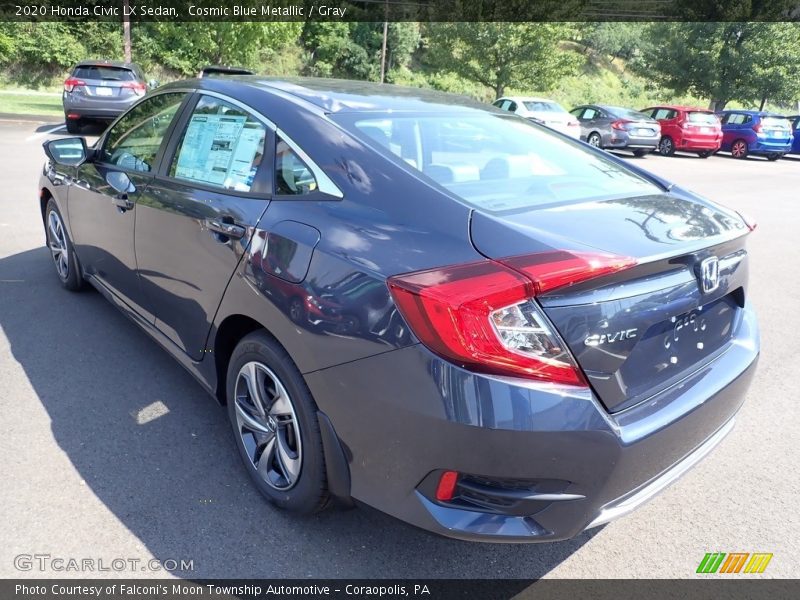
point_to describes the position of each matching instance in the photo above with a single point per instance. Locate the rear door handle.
(122, 202)
(229, 230)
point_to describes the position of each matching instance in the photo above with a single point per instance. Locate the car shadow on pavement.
(157, 451)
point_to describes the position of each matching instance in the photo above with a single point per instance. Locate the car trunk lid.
(644, 328)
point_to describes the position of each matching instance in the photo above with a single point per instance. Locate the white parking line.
(44, 132)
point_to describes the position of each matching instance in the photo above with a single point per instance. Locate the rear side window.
(221, 146)
(104, 73)
(705, 118)
(664, 113)
(133, 142)
(293, 177)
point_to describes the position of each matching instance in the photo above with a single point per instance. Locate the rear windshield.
(627, 113)
(539, 106)
(776, 122)
(498, 163)
(702, 117)
(104, 73)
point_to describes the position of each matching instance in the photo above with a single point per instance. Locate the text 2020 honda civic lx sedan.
(459, 317)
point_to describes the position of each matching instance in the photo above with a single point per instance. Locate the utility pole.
(385, 35)
(126, 31)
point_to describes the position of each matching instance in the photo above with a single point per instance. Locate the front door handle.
(229, 230)
(122, 202)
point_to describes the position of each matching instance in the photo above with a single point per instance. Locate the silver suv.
(101, 90)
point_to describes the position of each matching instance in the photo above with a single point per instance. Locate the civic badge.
(709, 274)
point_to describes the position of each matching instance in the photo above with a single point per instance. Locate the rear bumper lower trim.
(630, 502)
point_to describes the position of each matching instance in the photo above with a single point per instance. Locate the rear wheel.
(666, 147)
(739, 149)
(704, 154)
(594, 139)
(274, 420)
(640, 153)
(61, 250)
(774, 156)
(73, 125)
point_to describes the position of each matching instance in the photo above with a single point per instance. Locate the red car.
(687, 129)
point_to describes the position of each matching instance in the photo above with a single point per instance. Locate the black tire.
(739, 149)
(666, 147)
(594, 139)
(297, 312)
(704, 154)
(640, 153)
(308, 492)
(73, 126)
(774, 156)
(62, 252)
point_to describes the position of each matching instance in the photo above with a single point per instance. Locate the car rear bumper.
(767, 147)
(622, 140)
(98, 109)
(409, 415)
(698, 143)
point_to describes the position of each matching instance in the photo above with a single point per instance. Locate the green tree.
(619, 40)
(741, 61)
(502, 55)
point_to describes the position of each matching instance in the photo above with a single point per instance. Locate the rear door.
(198, 215)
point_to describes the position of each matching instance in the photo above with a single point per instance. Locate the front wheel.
(704, 154)
(739, 149)
(275, 426)
(61, 249)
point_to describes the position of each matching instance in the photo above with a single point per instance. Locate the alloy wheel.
(594, 140)
(739, 149)
(665, 147)
(268, 426)
(57, 240)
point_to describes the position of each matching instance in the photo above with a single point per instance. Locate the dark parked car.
(746, 132)
(101, 90)
(687, 129)
(617, 128)
(510, 335)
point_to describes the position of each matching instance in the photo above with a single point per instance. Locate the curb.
(31, 118)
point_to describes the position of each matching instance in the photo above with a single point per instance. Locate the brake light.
(757, 127)
(138, 88)
(619, 123)
(71, 83)
(483, 315)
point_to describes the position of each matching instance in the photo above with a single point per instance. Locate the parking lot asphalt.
(87, 474)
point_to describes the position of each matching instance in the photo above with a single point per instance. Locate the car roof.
(340, 95)
(107, 63)
(528, 99)
(681, 107)
(760, 113)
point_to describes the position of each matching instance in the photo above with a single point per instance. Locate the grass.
(31, 104)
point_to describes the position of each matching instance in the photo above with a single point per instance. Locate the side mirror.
(120, 181)
(153, 83)
(69, 152)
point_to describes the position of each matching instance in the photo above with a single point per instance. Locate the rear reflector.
(482, 315)
(447, 486)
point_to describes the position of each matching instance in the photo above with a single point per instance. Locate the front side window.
(292, 175)
(496, 163)
(222, 146)
(133, 142)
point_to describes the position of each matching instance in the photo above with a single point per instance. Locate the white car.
(543, 111)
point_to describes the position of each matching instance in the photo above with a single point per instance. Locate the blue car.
(746, 132)
(410, 299)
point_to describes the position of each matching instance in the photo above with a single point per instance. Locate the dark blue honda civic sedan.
(459, 317)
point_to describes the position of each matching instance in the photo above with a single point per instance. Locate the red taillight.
(71, 83)
(447, 486)
(138, 88)
(757, 127)
(619, 124)
(482, 315)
